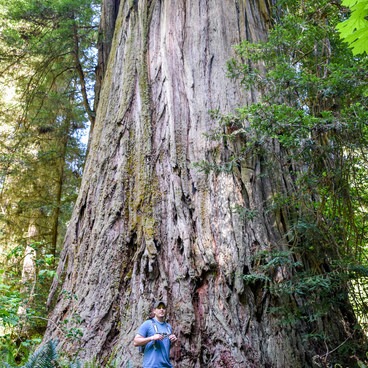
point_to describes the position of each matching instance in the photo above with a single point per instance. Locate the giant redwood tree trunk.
(148, 224)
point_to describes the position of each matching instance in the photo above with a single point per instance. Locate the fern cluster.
(45, 357)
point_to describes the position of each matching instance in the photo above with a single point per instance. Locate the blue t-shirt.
(156, 353)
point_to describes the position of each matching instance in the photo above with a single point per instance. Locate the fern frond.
(44, 357)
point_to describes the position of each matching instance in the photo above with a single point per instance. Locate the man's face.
(160, 311)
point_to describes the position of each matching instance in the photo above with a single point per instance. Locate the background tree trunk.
(148, 224)
(29, 274)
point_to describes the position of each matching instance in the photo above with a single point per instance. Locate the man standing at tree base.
(155, 338)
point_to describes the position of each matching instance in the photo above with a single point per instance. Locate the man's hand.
(173, 338)
(157, 337)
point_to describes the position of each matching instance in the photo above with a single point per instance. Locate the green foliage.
(9, 304)
(283, 275)
(44, 357)
(314, 106)
(12, 351)
(47, 356)
(71, 329)
(47, 71)
(354, 30)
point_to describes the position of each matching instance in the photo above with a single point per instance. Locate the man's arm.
(141, 341)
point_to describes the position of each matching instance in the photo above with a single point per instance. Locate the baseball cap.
(156, 304)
